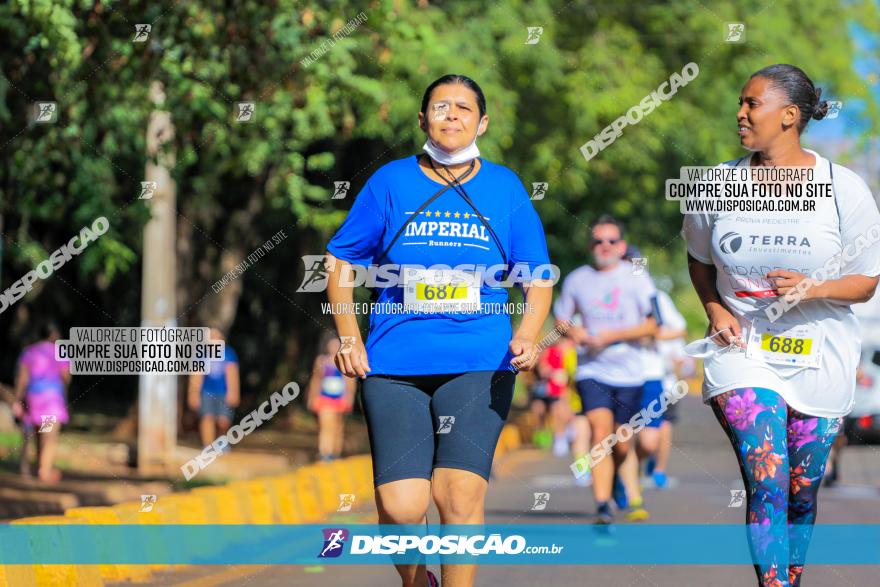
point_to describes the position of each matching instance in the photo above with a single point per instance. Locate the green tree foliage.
(343, 115)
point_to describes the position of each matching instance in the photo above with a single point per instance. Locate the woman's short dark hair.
(609, 219)
(48, 329)
(798, 89)
(454, 78)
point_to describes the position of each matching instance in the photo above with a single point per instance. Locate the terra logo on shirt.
(732, 242)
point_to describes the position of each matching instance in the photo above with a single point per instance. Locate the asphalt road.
(703, 472)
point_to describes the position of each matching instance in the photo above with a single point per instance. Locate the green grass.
(10, 439)
(184, 485)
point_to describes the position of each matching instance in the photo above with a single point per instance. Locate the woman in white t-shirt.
(777, 288)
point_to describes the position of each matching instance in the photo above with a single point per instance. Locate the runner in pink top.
(40, 390)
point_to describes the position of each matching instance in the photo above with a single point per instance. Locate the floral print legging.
(782, 455)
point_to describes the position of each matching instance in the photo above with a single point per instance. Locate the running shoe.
(432, 580)
(649, 466)
(584, 480)
(560, 447)
(604, 515)
(619, 494)
(637, 512)
(659, 478)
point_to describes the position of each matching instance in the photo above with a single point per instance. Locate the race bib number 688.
(795, 345)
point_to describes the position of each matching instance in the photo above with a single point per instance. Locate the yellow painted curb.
(307, 496)
(183, 508)
(225, 506)
(363, 471)
(222, 505)
(303, 496)
(346, 482)
(256, 499)
(117, 572)
(500, 447)
(508, 440)
(130, 513)
(327, 484)
(359, 471)
(514, 441)
(67, 575)
(282, 490)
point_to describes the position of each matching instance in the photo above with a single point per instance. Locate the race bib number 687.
(441, 290)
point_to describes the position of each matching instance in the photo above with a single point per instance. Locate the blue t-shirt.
(215, 381)
(447, 233)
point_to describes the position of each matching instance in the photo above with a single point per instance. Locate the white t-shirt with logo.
(608, 300)
(744, 247)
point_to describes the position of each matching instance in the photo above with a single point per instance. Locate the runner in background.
(578, 430)
(669, 346)
(554, 378)
(539, 407)
(216, 394)
(627, 491)
(616, 312)
(40, 392)
(330, 397)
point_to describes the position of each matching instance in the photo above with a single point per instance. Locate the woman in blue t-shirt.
(216, 394)
(440, 359)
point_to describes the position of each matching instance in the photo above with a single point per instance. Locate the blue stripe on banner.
(526, 544)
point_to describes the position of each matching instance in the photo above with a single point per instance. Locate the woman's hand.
(596, 343)
(721, 319)
(351, 359)
(578, 334)
(18, 410)
(526, 353)
(791, 285)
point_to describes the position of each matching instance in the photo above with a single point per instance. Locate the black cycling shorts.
(419, 422)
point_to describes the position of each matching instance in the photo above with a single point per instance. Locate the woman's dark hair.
(49, 328)
(454, 78)
(799, 90)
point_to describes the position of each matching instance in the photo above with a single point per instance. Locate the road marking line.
(236, 572)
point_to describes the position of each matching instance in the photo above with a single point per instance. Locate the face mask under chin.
(458, 157)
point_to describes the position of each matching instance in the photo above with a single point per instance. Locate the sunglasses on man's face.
(611, 241)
